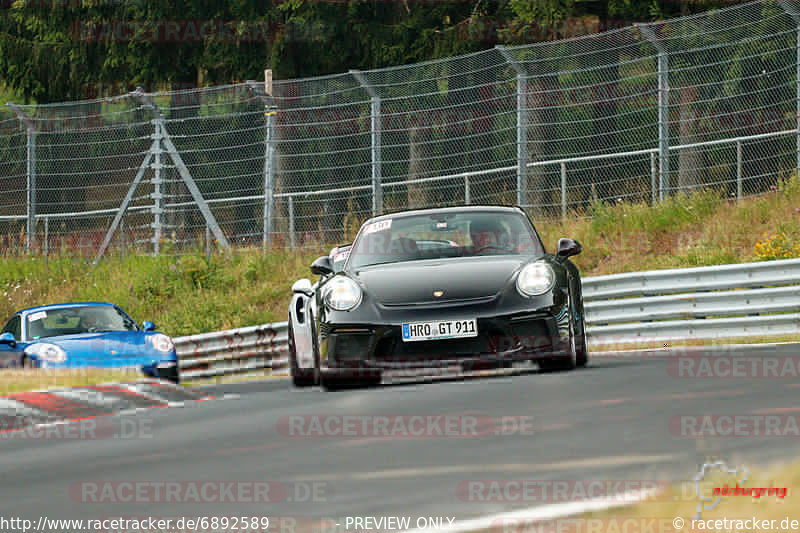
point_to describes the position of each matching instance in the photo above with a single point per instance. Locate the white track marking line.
(532, 515)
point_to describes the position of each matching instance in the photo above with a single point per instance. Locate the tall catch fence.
(638, 113)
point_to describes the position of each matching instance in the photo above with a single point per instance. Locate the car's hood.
(414, 282)
(108, 348)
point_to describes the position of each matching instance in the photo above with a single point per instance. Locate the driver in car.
(489, 234)
(93, 320)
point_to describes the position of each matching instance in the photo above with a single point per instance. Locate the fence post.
(466, 190)
(291, 221)
(792, 10)
(663, 108)
(30, 201)
(269, 182)
(653, 180)
(522, 123)
(157, 195)
(563, 190)
(46, 236)
(270, 110)
(738, 170)
(375, 142)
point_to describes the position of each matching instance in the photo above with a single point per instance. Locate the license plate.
(442, 329)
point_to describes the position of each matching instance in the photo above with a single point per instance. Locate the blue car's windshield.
(439, 235)
(76, 320)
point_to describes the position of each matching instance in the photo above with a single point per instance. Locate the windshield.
(439, 235)
(75, 320)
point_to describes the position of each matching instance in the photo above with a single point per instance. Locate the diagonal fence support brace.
(182, 169)
(126, 202)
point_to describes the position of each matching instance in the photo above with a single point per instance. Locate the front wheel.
(577, 356)
(301, 377)
(581, 351)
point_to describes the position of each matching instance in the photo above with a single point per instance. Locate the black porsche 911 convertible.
(469, 287)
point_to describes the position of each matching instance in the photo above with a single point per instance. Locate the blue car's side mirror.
(148, 326)
(8, 338)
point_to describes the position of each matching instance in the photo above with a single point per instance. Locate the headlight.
(47, 352)
(535, 279)
(342, 293)
(161, 342)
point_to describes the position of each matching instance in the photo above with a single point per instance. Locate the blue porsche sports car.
(87, 334)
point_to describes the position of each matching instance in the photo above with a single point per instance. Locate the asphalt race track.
(615, 420)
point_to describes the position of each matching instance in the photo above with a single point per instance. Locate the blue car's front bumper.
(167, 370)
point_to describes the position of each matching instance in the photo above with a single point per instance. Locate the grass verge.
(24, 380)
(681, 501)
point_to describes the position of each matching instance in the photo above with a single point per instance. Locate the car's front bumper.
(500, 339)
(166, 370)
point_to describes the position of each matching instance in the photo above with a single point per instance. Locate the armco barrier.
(233, 351)
(727, 301)
(719, 302)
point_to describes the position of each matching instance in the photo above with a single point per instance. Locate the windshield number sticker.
(375, 227)
(37, 316)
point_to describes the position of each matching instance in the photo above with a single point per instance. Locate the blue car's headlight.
(161, 342)
(47, 352)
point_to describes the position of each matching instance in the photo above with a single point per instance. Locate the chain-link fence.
(637, 113)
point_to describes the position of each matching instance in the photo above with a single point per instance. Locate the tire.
(577, 347)
(581, 351)
(27, 362)
(301, 377)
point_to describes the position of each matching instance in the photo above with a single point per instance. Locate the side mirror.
(148, 326)
(322, 266)
(302, 286)
(568, 248)
(8, 338)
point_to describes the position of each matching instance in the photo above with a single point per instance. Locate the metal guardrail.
(233, 351)
(728, 301)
